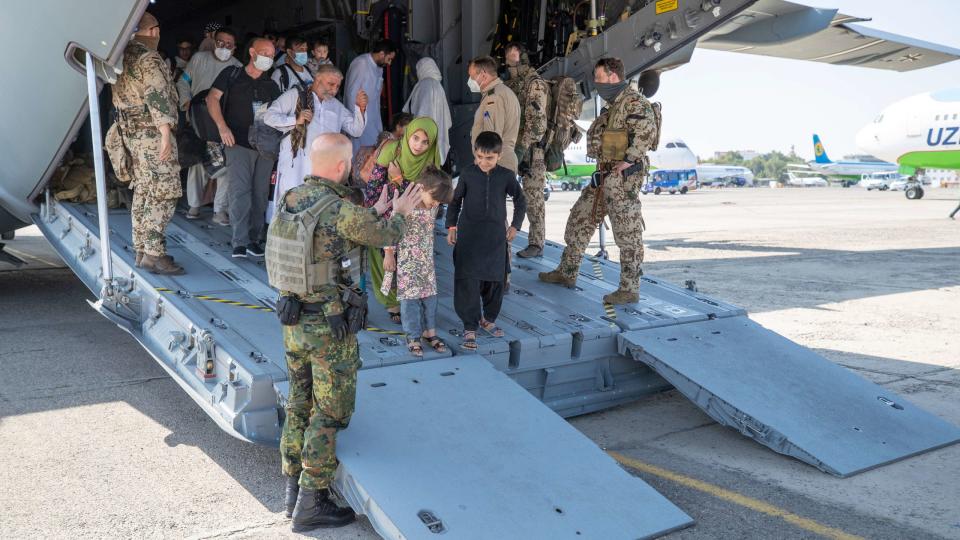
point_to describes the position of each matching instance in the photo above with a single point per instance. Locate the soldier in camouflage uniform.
(628, 113)
(146, 103)
(322, 357)
(532, 92)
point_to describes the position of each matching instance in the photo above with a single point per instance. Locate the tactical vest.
(291, 264)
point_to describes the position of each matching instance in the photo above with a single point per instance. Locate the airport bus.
(670, 180)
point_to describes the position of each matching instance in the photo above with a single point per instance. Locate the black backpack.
(285, 79)
(200, 116)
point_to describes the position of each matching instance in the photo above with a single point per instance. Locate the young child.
(475, 227)
(416, 277)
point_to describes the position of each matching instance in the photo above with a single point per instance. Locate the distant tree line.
(769, 165)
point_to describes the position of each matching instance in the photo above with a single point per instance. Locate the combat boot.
(293, 488)
(530, 252)
(139, 261)
(558, 277)
(621, 296)
(163, 265)
(314, 509)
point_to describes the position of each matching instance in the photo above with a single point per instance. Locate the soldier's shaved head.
(331, 156)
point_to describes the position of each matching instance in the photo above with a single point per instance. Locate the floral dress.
(378, 181)
(416, 277)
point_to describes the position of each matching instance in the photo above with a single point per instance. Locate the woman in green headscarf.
(399, 164)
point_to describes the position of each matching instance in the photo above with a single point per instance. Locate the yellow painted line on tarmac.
(736, 498)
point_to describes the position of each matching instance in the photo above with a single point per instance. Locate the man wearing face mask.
(499, 110)
(619, 140)
(366, 73)
(248, 171)
(146, 107)
(204, 68)
(293, 73)
(532, 91)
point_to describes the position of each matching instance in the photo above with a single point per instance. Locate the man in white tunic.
(327, 115)
(366, 73)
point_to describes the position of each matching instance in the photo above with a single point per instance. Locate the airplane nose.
(868, 139)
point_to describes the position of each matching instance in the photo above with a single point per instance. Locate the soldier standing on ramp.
(146, 103)
(532, 92)
(619, 139)
(314, 257)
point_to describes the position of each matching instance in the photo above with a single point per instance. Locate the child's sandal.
(469, 341)
(491, 329)
(395, 318)
(413, 345)
(436, 343)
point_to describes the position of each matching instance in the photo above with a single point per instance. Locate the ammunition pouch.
(288, 310)
(613, 144)
(355, 309)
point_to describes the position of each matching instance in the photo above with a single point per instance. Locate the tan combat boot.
(558, 277)
(620, 296)
(163, 265)
(139, 261)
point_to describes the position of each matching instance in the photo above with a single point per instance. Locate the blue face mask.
(300, 58)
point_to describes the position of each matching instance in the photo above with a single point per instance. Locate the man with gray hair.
(321, 308)
(303, 116)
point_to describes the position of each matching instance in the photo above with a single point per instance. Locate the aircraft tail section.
(819, 151)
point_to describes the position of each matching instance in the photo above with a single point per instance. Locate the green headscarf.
(410, 165)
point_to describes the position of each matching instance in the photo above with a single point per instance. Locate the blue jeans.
(418, 316)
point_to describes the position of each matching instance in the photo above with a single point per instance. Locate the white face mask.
(263, 63)
(222, 54)
(473, 85)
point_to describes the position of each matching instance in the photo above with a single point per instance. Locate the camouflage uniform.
(630, 111)
(145, 98)
(533, 92)
(322, 370)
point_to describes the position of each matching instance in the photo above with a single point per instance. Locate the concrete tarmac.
(97, 442)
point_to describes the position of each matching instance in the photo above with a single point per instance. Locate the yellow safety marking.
(224, 301)
(666, 6)
(597, 269)
(382, 331)
(756, 505)
(611, 311)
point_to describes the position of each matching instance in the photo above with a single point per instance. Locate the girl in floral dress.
(416, 277)
(399, 164)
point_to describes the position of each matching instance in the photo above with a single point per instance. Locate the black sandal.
(413, 345)
(469, 341)
(395, 317)
(436, 343)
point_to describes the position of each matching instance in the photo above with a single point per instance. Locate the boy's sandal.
(395, 318)
(469, 341)
(413, 345)
(491, 328)
(436, 343)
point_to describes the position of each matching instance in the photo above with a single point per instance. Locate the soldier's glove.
(288, 310)
(338, 326)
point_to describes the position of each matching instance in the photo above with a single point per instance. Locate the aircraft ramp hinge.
(206, 355)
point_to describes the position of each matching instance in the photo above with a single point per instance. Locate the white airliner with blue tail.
(853, 169)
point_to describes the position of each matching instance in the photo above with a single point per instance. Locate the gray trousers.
(248, 190)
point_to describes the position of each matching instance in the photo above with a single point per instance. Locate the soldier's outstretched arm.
(641, 126)
(363, 226)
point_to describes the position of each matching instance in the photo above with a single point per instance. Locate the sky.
(729, 101)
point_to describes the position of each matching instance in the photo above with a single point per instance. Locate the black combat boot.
(315, 509)
(293, 488)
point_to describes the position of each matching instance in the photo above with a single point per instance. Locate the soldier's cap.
(147, 21)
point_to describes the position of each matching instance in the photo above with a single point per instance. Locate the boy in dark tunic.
(475, 227)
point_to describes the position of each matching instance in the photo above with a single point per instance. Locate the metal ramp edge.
(455, 447)
(786, 396)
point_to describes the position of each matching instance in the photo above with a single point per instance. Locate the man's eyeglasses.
(225, 45)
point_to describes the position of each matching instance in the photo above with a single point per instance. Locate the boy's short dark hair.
(437, 183)
(488, 141)
(401, 119)
(294, 41)
(385, 46)
(611, 65)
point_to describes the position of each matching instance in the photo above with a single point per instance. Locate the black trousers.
(470, 296)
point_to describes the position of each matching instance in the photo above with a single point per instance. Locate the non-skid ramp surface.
(788, 397)
(453, 447)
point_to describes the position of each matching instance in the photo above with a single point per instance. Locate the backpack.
(200, 116)
(290, 260)
(285, 79)
(564, 106)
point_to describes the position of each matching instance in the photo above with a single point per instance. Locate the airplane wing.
(789, 30)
